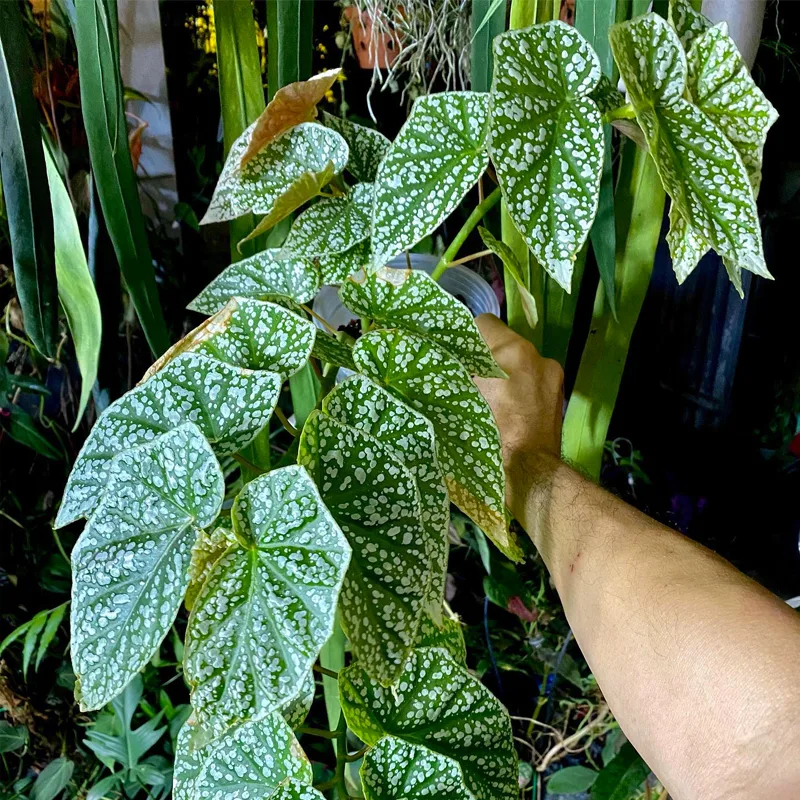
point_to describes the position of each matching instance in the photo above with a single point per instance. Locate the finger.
(493, 329)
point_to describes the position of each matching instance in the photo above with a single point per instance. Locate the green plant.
(351, 522)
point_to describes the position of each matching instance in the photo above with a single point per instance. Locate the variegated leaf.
(547, 139)
(367, 146)
(467, 441)
(437, 704)
(439, 154)
(332, 225)
(259, 759)
(398, 770)
(360, 403)
(269, 272)
(207, 550)
(308, 149)
(267, 607)
(296, 790)
(688, 23)
(335, 267)
(606, 95)
(449, 636)
(228, 404)
(375, 500)
(130, 565)
(698, 165)
(412, 301)
(333, 351)
(298, 708)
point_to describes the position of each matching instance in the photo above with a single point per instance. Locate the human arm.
(700, 665)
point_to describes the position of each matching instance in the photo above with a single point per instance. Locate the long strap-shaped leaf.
(104, 120)
(22, 164)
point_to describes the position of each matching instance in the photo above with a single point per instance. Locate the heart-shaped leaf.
(267, 607)
(437, 704)
(547, 139)
(335, 267)
(375, 500)
(131, 563)
(270, 272)
(467, 440)
(412, 301)
(439, 154)
(367, 146)
(229, 405)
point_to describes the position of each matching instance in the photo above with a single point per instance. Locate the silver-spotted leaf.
(449, 636)
(606, 95)
(398, 770)
(296, 790)
(360, 403)
(332, 225)
(309, 149)
(467, 440)
(547, 139)
(228, 404)
(131, 563)
(335, 267)
(207, 550)
(437, 704)
(439, 154)
(367, 146)
(687, 22)
(270, 272)
(698, 165)
(412, 301)
(298, 708)
(333, 351)
(375, 500)
(265, 610)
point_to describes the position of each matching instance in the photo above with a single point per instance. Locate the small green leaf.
(270, 272)
(305, 151)
(623, 775)
(50, 629)
(367, 146)
(22, 429)
(332, 351)
(335, 267)
(688, 23)
(571, 780)
(547, 140)
(412, 301)
(467, 441)
(332, 225)
(12, 737)
(449, 636)
(31, 636)
(131, 563)
(439, 154)
(437, 704)
(265, 609)
(206, 551)
(606, 96)
(53, 779)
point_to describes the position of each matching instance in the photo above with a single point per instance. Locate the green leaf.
(131, 563)
(279, 169)
(606, 96)
(398, 770)
(439, 154)
(362, 404)
(53, 779)
(488, 20)
(31, 636)
(12, 737)
(571, 780)
(688, 23)
(102, 105)
(437, 704)
(547, 140)
(267, 606)
(375, 500)
(332, 225)
(333, 351)
(75, 285)
(513, 268)
(449, 637)
(206, 551)
(22, 429)
(270, 272)
(305, 388)
(623, 775)
(467, 440)
(229, 405)
(367, 146)
(698, 166)
(250, 760)
(412, 301)
(335, 267)
(24, 179)
(298, 708)
(54, 620)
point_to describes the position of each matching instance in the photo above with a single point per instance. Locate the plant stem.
(466, 229)
(328, 672)
(341, 758)
(623, 112)
(287, 426)
(321, 732)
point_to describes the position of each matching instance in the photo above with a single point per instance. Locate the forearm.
(700, 665)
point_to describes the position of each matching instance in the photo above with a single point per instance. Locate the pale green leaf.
(398, 770)
(571, 780)
(439, 154)
(53, 779)
(266, 609)
(375, 500)
(229, 405)
(367, 146)
(296, 790)
(335, 267)
(12, 737)
(206, 551)
(332, 225)
(688, 23)
(547, 140)
(269, 272)
(437, 704)
(412, 301)
(467, 439)
(256, 187)
(360, 403)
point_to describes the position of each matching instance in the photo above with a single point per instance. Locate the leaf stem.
(623, 112)
(474, 218)
(321, 732)
(341, 758)
(324, 671)
(288, 427)
(351, 757)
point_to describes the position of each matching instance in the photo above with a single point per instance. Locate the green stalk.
(488, 20)
(639, 212)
